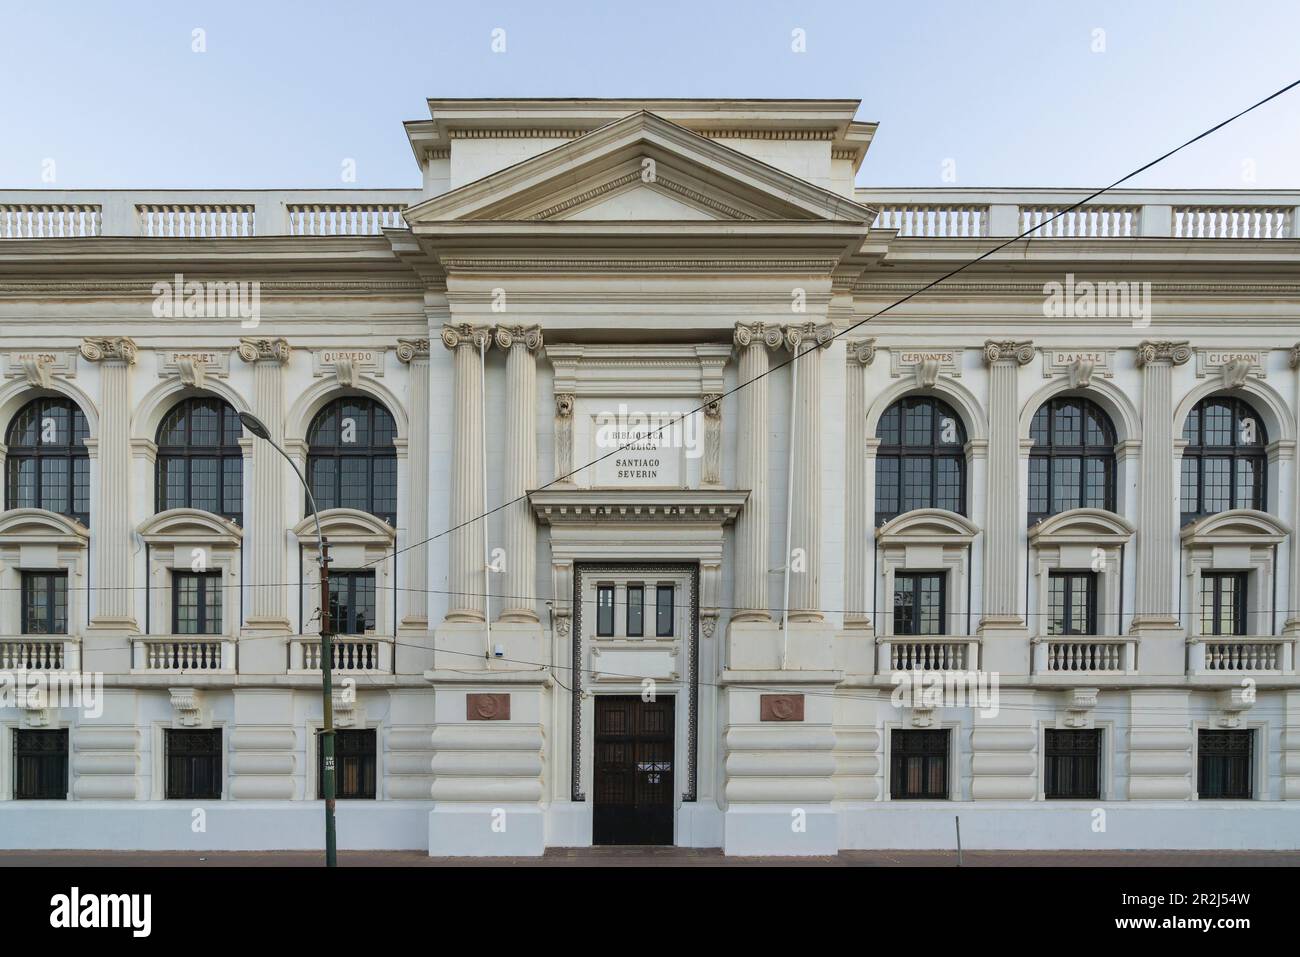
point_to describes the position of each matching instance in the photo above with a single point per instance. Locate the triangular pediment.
(641, 168)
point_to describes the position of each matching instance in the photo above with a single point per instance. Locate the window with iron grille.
(1223, 603)
(1072, 461)
(919, 603)
(196, 603)
(47, 464)
(635, 611)
(40, 765)
(193, 763)
(1225, 462)
(200, 463)
(1072, 603)
(44, 603)
(921, 460)
(1223, 765)
(1072, 764)
(604, 611)
(351, 460)
(664, 611)
(352, 602)
(918, 765)
(354, 764)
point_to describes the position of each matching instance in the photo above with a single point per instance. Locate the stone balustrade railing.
(911, 653)
(944, 213)
(34, 653)
(183, 654)
(937, 213)
(1084, 654)
(183, 213)
(349, 653)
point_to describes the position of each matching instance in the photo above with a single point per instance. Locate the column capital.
(409, 350)
(530, 337)
(1295, 356)
(861, 351)
(466, 334)
(762, 333)
(264, 350)
(811, 334)
(109, 349)
(1163, 350)
(1019, 351)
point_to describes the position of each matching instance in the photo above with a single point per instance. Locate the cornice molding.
(897, 287)
(641, 265)
(144, 287)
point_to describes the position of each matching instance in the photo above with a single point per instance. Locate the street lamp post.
(255, 425)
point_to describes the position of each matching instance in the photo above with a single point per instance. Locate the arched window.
(1072, 462)
(921, 461)
(351, 461)
(47, 465)
(200, 463)
(1225, 461)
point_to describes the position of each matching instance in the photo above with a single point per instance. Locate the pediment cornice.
(671, 506)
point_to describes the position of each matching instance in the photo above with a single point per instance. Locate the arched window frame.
(935, 451)
(328, 454)
(225, 451)
(1086, 452)
(1237, 453)
(41, 460)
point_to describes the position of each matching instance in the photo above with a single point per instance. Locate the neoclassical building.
(639, 533)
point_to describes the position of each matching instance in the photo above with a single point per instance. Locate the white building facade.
(637, 536)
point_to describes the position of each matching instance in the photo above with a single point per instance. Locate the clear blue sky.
(1011, 91)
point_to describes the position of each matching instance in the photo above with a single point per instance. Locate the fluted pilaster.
(1293, 619)
(805, 341)
(266, 530)
(111, 536)
(857, 590)
(467, 561)
(1004, 359)
(1157, 536)
(752, 344)
(521, 344)
(415, 563)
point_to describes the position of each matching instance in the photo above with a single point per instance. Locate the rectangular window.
(918, 765)
(352, 602)
(919, 603)
(948, 491)
(40, 765)
(45, 603)
(604, 611)
(1223, 765)
(916, 483)
(1223, 603)
(635, 611)
(1216, 485)
(1072, 603)
(886, 488)
(1038, 486)
(1190, 483)
(354, 765)
(193, 764)
(196, 603)
(1071, 765)
(664, 611)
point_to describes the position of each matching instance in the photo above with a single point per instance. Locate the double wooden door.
(633, 770)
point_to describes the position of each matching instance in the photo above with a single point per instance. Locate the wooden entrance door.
(633, 786)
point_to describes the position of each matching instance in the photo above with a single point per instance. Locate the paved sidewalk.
(653, 857)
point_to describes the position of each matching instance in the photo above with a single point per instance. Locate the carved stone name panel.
(347, 364)
(936, 360)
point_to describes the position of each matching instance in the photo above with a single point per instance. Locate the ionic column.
(111, 535)
(804, 548)
(1157, 535)
(266, 557)
(521, 343)
(1002, 528)
(467, 560)
(1293, 619)
(752, 343)
(858, 501)
(415, 570)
